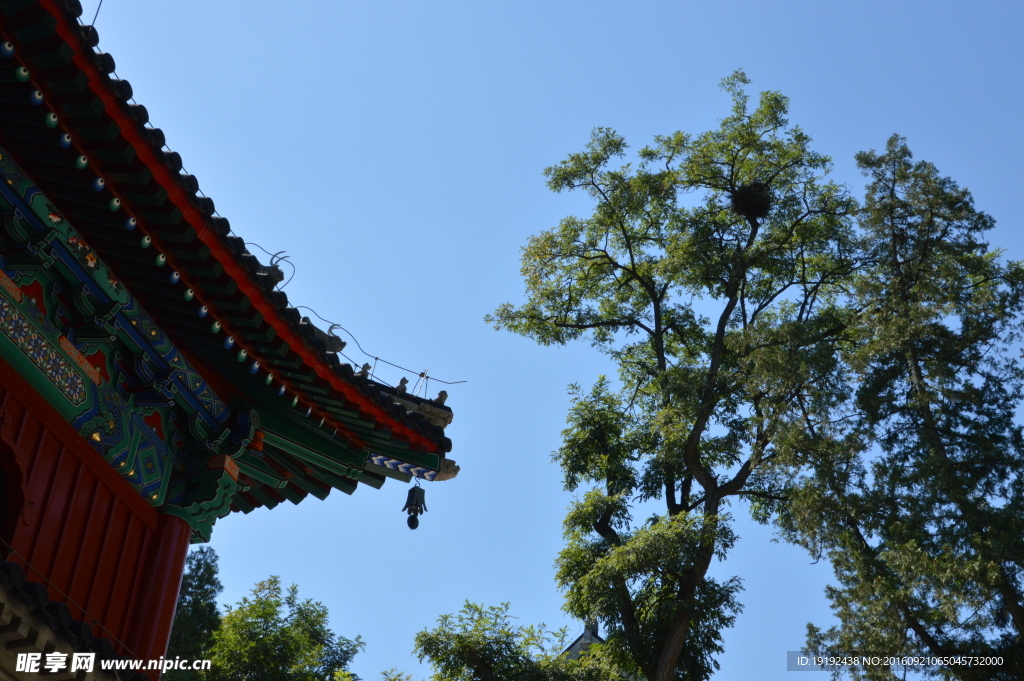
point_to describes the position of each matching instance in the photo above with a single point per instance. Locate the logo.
(55, 662)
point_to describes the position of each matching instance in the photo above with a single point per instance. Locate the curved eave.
(132, 133)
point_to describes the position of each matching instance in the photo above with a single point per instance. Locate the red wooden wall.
(83, 530)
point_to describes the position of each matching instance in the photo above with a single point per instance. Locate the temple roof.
(76, 131)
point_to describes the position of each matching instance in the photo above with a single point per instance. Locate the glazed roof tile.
(154, 227)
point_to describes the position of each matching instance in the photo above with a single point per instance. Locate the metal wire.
(375, 357)
(294, 268)
(276, 258)
(92, 27)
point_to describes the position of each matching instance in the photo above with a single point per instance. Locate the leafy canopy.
(274, 636)
(484, 644)
(710, 273)
(196, 616)
(916, 493)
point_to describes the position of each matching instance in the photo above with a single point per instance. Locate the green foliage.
(711, 274)
(274, 636)
(196, 616)
(484, 644)
(857, 383)
(392, 675)
(917, 493)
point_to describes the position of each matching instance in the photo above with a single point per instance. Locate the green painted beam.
(387, 472)
(263, 497)
(299, 451)
(258, 470)
(291, 494)
(300, 477)
(372, 479)
(243, 505)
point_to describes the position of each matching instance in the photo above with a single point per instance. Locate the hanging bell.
(415, 504)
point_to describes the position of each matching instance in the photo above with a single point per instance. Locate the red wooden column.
(84, 531)
(158, 587)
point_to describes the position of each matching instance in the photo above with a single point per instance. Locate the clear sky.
(395, 151)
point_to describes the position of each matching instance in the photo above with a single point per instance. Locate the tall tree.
(917, 493)
(274, 636)
(482, 643)
(709, 274)
(196, 616)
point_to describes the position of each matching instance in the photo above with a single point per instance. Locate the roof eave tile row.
(117, 132)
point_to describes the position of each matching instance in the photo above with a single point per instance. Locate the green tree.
(274, 636)
(710, 275)
(917, 490)
(196, 616)
(484, 644)
(393, 675)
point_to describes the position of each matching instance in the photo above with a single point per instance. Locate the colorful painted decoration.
(83, 363)
(82, 341)
(15, 325)
(415, 471)
(120, 382)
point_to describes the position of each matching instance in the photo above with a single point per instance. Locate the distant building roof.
(584, 641)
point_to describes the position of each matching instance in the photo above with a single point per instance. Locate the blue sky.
(395, 150)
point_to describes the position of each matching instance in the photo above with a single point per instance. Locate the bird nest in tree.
(753, 201)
